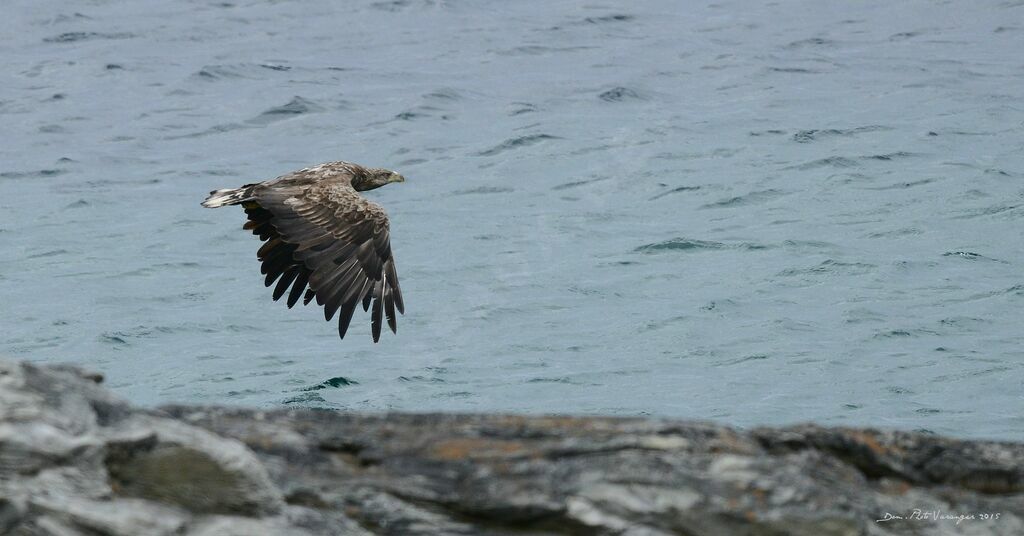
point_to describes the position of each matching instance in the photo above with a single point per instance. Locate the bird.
(324, 240)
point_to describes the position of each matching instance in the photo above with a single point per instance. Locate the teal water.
(755, 215)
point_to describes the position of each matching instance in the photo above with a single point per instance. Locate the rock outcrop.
(76, 460)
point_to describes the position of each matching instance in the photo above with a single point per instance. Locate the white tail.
(219, 198)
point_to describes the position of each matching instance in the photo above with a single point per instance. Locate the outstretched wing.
(327, 237)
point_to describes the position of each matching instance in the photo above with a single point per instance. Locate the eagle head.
(375, 178)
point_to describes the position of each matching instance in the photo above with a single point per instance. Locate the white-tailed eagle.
(324, 240)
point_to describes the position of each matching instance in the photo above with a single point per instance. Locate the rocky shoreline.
(75, 459)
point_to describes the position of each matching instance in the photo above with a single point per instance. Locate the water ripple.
(516, 143)
(752, 198)
(688, 244)
(619, 94)
(808, 136)
(72, 37)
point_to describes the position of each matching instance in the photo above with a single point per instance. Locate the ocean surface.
(757, 214)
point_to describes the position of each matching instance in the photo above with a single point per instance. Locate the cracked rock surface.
(76, 460)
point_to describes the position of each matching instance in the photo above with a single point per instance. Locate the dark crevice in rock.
(504, 519)
(922, 460)
(307, 498)
(862, 455)
(10, 515)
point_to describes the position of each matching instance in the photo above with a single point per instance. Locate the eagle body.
(323, 240)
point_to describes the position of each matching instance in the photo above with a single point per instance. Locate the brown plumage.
(323, 240)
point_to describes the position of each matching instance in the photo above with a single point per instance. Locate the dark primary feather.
(323, 235)
(375, 321)
(300, 284)
(286, 280)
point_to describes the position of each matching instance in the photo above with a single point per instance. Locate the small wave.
(554, 380)
(889, 156)
(305, 399)
(72, 37)
(675, 191)
(522, 108)
(741, 360)
(217, 72)
(32, 174)
(331, 383)
(811, 42)
(809, 245)
(903, 36)
(751, 198)
(807, 136)
(1015, 290)
(988, 211)
(63, 18)
(251, 71)
(971, 256)
(619, 94)
(906, 231)
(113, 338)
(680, 244)
(830, 267)
(150, 332)
(447, 94)
(455, 394)
(516, 143)
(894, 333)
(484, 190)
(860, 315)
(183, 297)
(537, 50)
(410, 116)
(902, 185)
(156, 268)
(832, 161)
(574, 184)
(793, 70)
(50, 253)
(687, 244)
(392, 5)
(419, 379)
(216, 129)
(964, 323)
(605, 19)
(296, 106)
(905, 333)
(576, 289)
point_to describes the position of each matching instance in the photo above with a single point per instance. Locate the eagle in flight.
(322, 237)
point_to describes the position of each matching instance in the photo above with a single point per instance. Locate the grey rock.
(10, 515)
(165, 460)
(121, 517)
(75, 459)
(240, 526)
